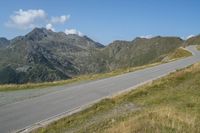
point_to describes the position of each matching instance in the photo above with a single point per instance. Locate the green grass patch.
(198, 47)
(170, 104)
(179, 53)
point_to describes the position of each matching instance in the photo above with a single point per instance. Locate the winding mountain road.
(22, 114)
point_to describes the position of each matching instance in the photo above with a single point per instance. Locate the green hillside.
(179, 53)
(193, 40)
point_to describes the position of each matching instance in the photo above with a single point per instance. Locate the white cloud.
(147, 36)
(60, 19)
(190, 36)
(24, 19)
(73, 31)
(28, 19)
(50, 27)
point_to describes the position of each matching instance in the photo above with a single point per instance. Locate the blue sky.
(102, 20)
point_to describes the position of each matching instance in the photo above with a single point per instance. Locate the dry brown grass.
(159, 119)
(198, 47)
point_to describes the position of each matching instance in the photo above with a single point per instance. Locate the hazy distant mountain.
(4, 42)
(193, 40)
(44, 55)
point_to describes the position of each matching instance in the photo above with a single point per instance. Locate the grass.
(198, 47)
(170, 104)
(179, 53)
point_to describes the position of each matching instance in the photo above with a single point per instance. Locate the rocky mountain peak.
(38, 34)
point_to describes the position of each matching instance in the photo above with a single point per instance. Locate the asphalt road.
(22, 114)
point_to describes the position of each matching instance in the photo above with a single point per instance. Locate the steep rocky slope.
(44, 55)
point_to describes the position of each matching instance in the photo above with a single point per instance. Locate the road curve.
(22, 114)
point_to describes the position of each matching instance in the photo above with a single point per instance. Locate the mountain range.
(44, 55)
